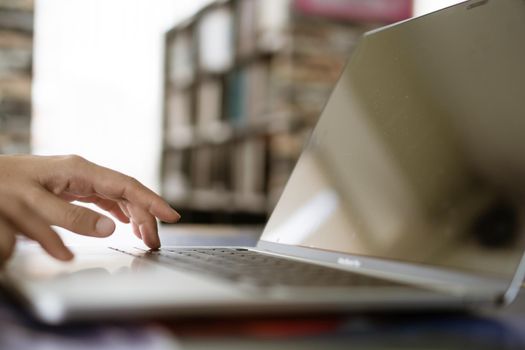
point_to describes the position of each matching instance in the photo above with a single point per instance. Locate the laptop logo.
(348, 262)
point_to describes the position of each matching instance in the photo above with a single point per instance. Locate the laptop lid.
(418, 155)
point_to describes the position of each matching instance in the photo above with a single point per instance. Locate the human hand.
(36, 192)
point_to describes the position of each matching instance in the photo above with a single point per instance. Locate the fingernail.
(174, 215)
(149, 238)
(105, 226)
(66, 255)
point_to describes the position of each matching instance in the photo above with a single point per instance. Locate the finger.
(147, 226)
(72, 217)
(122, 206)
(108, 205)
(114, 185)
(68, 197)
(31, 224)
(136, 230)
(137, 194)
(7, 240)
(114, 207)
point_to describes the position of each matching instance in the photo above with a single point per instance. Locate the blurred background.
(207, 102)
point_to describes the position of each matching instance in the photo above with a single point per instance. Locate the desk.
(486, 329)
(501, 330)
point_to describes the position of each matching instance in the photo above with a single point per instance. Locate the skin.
(37, 192)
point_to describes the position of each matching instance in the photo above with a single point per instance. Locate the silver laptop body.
(409, 195)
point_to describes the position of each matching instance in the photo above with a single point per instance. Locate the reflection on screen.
(419, 154)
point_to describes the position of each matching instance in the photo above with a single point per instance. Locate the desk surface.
(484, 329)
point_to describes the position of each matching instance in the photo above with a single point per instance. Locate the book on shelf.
(179, 129)
(210, 178)
(303, 79)
(221, 169)
(272, 22)
(246, 12)
(176, 176)
(181, 69)
(257, 86)
(357, 10)
(209, 110)
(236, 97)
(247, 98)
(314, 36)
(215, 39)
(249, 178)
(201, 158)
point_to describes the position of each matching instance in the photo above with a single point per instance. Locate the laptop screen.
(419, 154)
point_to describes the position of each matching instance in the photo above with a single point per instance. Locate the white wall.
(97, 80)
(422, 7)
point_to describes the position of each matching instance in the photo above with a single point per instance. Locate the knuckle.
(32, 196)
(75, 159)
(133, 183)
(71, 161)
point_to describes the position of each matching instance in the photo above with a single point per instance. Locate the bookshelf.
(245, 81)
(16, 53)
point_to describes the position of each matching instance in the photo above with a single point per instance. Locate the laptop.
(410, 195)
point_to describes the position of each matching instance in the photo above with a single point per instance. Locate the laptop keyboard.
(250, 267)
